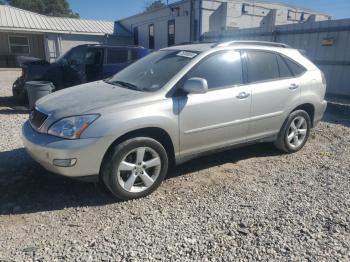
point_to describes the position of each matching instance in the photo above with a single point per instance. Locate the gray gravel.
(246, 204)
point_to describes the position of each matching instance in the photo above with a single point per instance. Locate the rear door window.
(261, 66)
(220, 70)
(118, 56)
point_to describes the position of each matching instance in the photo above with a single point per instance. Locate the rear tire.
(294, 132)
(19, 92)
(135, 168)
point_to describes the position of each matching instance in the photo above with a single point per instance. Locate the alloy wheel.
(139, 169)
(297, 132)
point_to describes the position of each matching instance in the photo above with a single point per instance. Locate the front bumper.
(46, 148)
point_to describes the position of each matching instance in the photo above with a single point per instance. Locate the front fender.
(160, 114)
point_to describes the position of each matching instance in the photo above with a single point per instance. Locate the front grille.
(37, 118)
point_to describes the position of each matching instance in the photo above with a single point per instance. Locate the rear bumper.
(44, 149)
(319, 112)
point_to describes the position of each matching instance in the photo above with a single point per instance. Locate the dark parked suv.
(81, 64)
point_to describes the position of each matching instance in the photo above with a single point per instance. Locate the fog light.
(65, 162)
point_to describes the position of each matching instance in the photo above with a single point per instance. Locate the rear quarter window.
(295, 68)
(285, 72)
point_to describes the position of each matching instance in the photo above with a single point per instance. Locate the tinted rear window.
(116, 56)
(261, 66)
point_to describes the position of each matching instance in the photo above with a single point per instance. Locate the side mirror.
(196, 85)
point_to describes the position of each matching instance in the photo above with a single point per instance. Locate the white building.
(188, 20)
(24, 33)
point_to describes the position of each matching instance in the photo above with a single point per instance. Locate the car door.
(220, 116)
(93, 63)
(274, 91)
(74, 67)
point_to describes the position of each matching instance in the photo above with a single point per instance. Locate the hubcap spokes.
(139, 169)
(297, 132)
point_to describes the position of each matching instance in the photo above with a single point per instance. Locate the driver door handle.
(293, 86)
(243, 95)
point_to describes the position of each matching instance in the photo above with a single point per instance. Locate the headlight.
(71, 127)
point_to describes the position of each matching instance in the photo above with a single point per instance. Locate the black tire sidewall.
(19, 93)
(291, 118)
(119, 153)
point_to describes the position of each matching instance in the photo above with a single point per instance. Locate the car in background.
(81, 64)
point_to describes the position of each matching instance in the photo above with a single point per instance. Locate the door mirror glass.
(196, 85)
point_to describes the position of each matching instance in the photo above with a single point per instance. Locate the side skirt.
(182, 159)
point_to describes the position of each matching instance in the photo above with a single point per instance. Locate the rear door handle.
(243, 95)
(293, 86)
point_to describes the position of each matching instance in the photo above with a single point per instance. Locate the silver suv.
(173, 105)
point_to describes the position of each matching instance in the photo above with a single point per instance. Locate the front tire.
(135, 168)
(294, 132)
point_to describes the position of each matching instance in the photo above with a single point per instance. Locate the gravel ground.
(252, 203)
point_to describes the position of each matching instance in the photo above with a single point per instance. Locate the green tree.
(154, 5)
(46, 7)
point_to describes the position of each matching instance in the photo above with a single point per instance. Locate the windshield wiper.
(124, 84)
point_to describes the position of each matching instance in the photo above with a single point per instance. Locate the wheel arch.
(308, 108)
(156, 133)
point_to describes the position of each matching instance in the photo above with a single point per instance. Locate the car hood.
(87, 98)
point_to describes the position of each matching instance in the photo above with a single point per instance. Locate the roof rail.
(195, 42)
(242, 42)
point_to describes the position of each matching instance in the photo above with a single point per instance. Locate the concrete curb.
(10, 69)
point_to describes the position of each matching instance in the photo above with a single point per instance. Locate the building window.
(136, 36)
(244, 9)
(171, 32)
(19, 45)
(151, 37)
(195, 30)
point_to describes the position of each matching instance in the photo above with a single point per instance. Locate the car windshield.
(152, 72)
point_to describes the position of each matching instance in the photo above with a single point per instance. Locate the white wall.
(160, 20)
(216, 15)
(256, 11)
